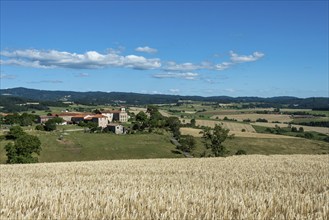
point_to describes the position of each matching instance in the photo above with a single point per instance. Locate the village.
(103, 119)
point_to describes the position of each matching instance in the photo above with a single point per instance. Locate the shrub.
(308, 135)
(261, 120)
(241, 152)
(39, 128)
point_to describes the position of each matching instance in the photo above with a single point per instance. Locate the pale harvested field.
(136, 110)
(196, 133)
(239, 187)
(322, 130)
(233, 126)
(164, 113)
(191, 131)
(254, 117)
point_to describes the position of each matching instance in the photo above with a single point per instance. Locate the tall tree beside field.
(188, 143)
(214, 138)
(23, 149)
(15, 132)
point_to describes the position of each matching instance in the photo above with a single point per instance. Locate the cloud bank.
(88, 60)
(94, 60)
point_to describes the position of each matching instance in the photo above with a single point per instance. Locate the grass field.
(79, 146)
(322, 130)
(240, 187)
(256, 143)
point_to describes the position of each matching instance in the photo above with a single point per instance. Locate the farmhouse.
(101, 120)
(116, 115)
(116, 128)
(67, 116)
(44, 119)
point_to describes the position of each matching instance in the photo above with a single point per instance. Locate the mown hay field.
(254, 117)
(238, 187)
(233, 126)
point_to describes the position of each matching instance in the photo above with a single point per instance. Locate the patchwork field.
(239, 187)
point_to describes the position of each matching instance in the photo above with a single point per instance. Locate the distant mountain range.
(101, 98)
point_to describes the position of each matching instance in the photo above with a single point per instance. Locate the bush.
(261, 120)
(39, 128)
(308, 135)
(241, 152)
(243, 130)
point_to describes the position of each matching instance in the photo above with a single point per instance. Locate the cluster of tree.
(314, 123)
(276, 110)
(50, 125)
(24, 119)
(228, 119)
(156, 120)
(24, 148)
(261, 120)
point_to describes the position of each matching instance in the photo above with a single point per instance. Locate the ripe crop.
(238, 187)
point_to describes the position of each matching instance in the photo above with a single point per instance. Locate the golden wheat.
(239, 187)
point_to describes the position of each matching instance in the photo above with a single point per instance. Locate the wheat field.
(238, 187)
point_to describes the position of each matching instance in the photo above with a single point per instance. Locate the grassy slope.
(268, 146)
(79, 146)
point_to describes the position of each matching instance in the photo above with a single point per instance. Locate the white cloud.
(223, 66)
(188, 75)
(146, 49)
(7, 76)
(183, 67)
(88, 60)
(82, 75)
(175, 91)
(246, 58)
(46, 81)
(230, 90)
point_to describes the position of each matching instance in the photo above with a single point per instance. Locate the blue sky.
(207, 48)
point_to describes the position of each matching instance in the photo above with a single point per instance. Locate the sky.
(205, 48)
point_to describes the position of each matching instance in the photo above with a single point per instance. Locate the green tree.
(156, 119)
(15, 132)
(26, 119)
(50, 125)
(174, 125)
(23, 149)
(188, 143)
(12, 119)
(141, 116)
(193, 122)
(214, 138)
